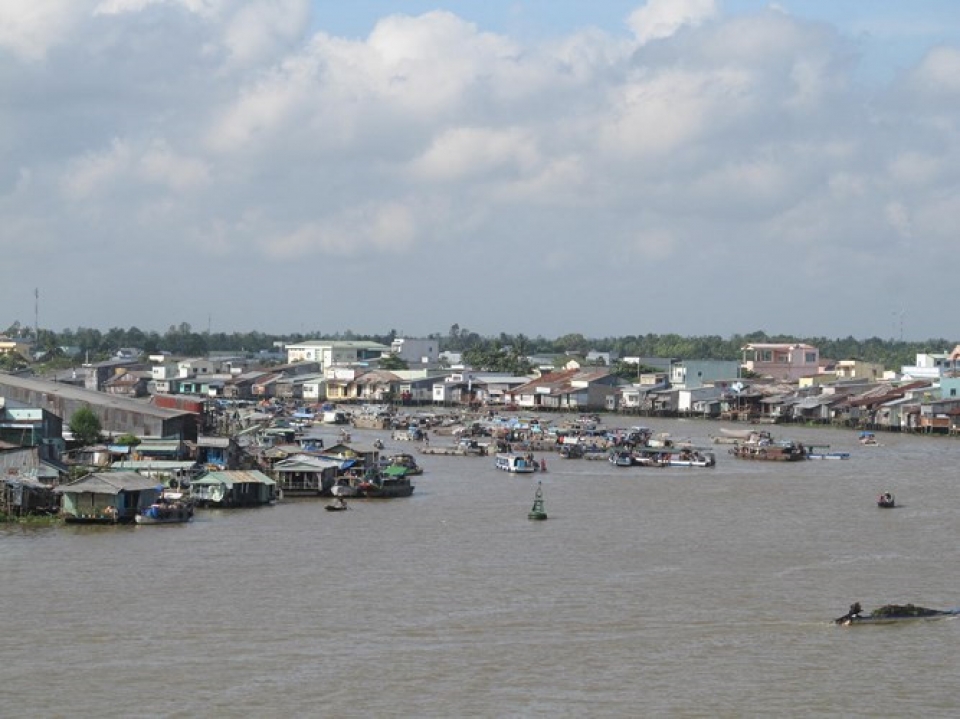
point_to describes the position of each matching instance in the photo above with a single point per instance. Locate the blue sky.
(545, 167)
(891, 34)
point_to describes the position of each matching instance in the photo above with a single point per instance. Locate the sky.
(546, 167)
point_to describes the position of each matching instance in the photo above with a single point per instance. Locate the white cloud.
(30, 28)
(221, 128)
(660, 19)
(464, 152)
(940, 71)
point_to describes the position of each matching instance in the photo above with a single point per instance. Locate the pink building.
(787, 362)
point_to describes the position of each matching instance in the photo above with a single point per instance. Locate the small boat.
(869, 439)
(337, 505)
(516, 463)
(886, 501)
(537, 512)
(621, 459)
(166, 512)
(891, 614)
(571, 451)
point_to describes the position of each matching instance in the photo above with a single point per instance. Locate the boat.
(571, 451)
(819, 451)
(172, 512)
(690, 458)
(770, 451)
(407, 461)
(337, 505)
(344, 488)
(393, 482)
(621, 459)
(886, 501)
(869, 439)
(891, 614)
(537, 512)
(516, 463)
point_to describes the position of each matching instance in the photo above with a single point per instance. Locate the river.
(680, 592)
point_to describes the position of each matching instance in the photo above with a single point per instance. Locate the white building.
(328, 353)
(415, 351)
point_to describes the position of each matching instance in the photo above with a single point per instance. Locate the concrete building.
(328, 353)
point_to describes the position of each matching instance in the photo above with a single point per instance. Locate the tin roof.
(109, 483)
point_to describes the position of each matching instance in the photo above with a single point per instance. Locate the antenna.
(36, 316)
(898, 321)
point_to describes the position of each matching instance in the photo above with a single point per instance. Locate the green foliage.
(392, 362)
(85, 426)
(12, 362)
(127, 440)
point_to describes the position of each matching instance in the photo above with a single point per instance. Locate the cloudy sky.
(535, 166)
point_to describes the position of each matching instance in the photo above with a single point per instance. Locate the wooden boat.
(892, 614)
(537, 512)
(393, 482)
(690, 458)
(869, 439)
(770, 451)
(886, 501)
(166, 513)
(405, 460)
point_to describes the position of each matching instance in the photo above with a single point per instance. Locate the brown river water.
(680, 592)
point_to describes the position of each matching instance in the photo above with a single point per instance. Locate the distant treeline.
(182, 339)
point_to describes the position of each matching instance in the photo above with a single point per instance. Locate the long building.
(118, 415)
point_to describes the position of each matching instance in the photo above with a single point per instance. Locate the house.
(416, 351)
(472, 387)
(932, 365)
(785, 362)
(569, 389)
(220, 452)
(327, 353)
(128, 383)
(22, 425)
(107, 497)
(691, 374)
(301, 475)
(233, 489)
(16, 345)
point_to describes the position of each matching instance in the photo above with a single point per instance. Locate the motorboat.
(886, 501)
(337, 505)
(621, 459)
(166, 512)
(516, 463)
(891, 614)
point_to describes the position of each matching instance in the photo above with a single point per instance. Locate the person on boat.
(855, 611)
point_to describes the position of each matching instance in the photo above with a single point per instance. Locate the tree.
(392, 362)
(85, 426)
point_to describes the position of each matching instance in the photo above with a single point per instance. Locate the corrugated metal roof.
(229, 478)
(98, 399)
(109, 483)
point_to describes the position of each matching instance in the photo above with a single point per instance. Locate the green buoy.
(537, 511)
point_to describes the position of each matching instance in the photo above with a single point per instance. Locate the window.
(810, 357)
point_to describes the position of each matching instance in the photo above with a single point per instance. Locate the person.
(854, 613)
